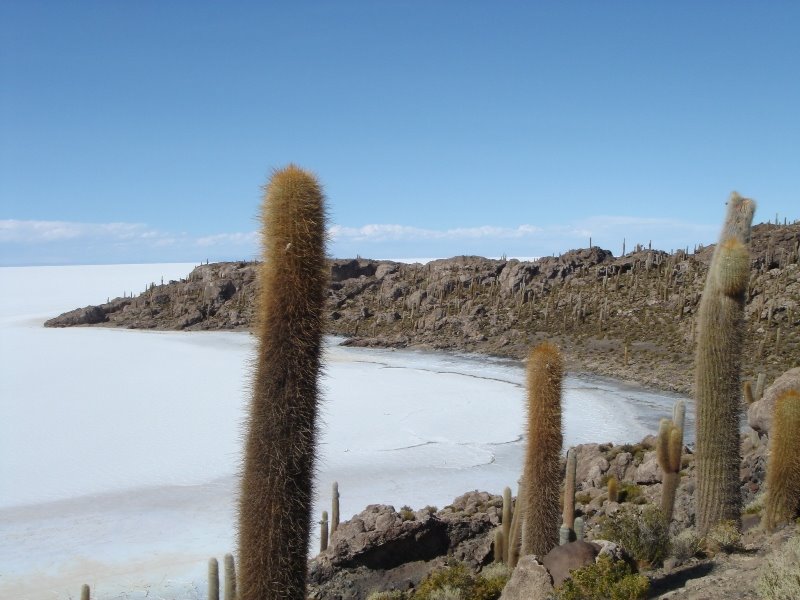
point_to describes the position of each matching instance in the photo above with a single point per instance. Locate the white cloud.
(33, 232)
(229, 239)
(393, 232)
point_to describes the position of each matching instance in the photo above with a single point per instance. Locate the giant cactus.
(783, 468)
(542, 460)
(717, 369)
(275, 502)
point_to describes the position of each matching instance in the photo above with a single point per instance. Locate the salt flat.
(119, 449)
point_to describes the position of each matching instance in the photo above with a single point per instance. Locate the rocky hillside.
(630, 316)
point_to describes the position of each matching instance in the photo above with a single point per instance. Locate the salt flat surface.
(119, 449)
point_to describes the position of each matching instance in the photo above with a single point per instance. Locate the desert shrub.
(724, 537)
(630, 492)
(756, 505)
(604, 580)
(686, 545)
(643, 533)
(457, 582)
(780, 576)
(391, 595)
(407, 513)
(583, 498)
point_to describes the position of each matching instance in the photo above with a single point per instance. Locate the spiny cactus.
(230, 577)
(564, 533)
(613, 489)
(323, 532)
(542, 461)
(334, 507)
(717, 367)
(514, 541)
(275, 503)
(669, 447)
(506, 523)
(747, 392)
(568, 512)
(579, 529)
(499, 545)
(85, 592)
(783, 468)
(213, 579)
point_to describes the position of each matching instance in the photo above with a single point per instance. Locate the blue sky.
(143, 131)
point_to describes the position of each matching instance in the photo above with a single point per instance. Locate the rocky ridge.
(630, 317)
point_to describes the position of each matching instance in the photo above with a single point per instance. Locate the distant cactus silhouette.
(783, 468)
(717, 368)
(323, 532)
(275, 503)
(542, 460)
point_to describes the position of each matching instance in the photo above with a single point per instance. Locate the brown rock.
(529, 581)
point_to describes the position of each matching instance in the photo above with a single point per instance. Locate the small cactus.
(514, 541)
(334, 507)
(563, 535)
(783, 468)
(568, 514)
(213, 579)
(579, 529)
(499, 545)
(85, 592)
(323, 532)
(669, 447)
(613, 489)
(230, 577)
(506, 522)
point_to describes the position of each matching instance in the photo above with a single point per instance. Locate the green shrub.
(630, 492)
(756, 505)
(458, 582)
(686, 545)
(724, 537)
(780, 576)
(643, 533)
(583, 498)
(604, 580)
(407, 513)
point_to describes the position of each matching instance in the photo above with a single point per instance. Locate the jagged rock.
(649, 471)
(529, 581)
(90, 315)
(759, 414)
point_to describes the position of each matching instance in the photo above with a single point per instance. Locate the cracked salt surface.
(119, 449)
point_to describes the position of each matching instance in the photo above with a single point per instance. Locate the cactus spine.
(717, 368)
(213, 579)
(230, 577)
(274, 508)
(334, 507)
(568, 514)
(506, 523)
(542, 461)
(783, 467)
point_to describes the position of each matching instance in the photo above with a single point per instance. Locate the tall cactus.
(213, 579)
(669, 447)
(717, 369)
(783, 468)
(275, 502)
(542, 461)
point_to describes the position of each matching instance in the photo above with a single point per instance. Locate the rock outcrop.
(630, 317)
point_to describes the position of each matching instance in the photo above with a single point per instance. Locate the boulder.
(530, 581)
(759, 414)
(563, 559)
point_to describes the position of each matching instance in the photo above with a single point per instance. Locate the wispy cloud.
(55, 242)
